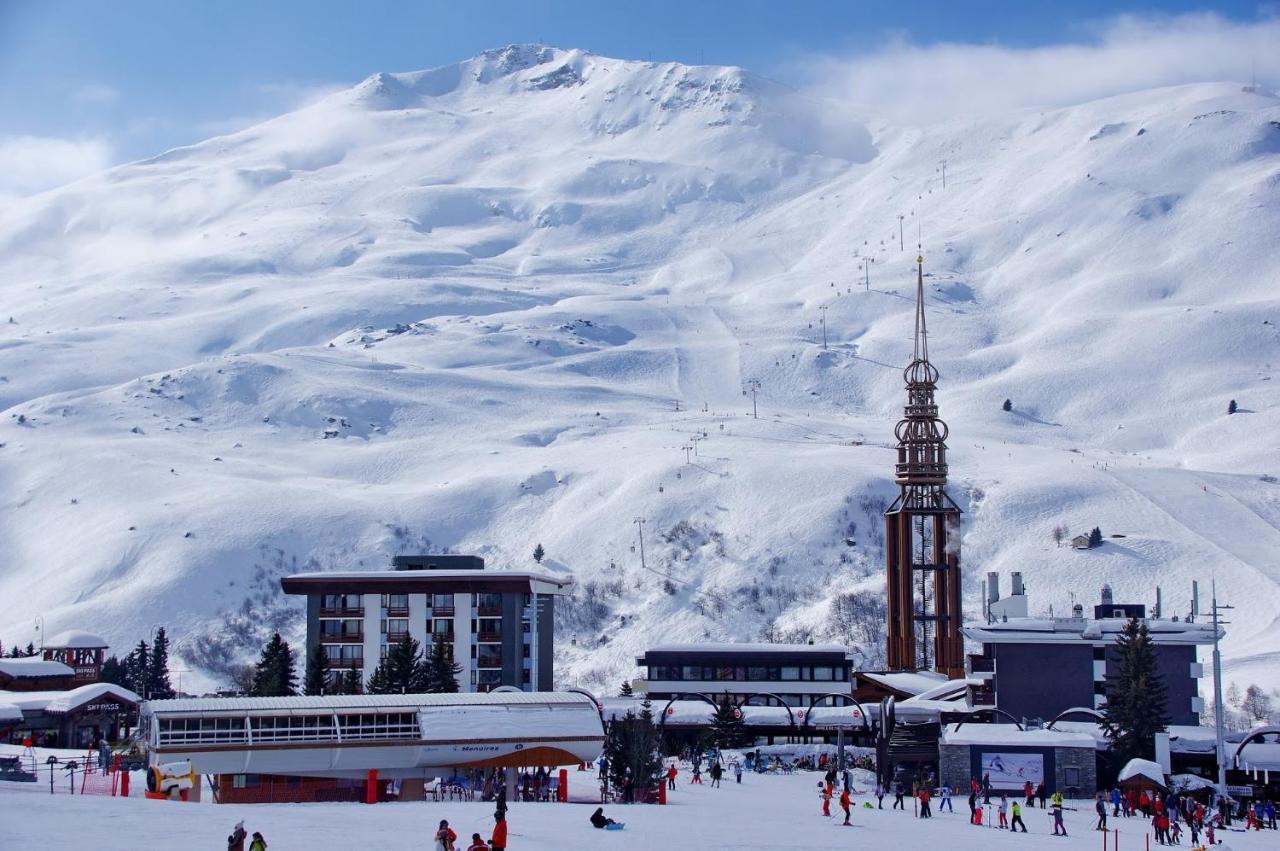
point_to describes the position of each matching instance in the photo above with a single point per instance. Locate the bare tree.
(1059, 532)
(1257, 703)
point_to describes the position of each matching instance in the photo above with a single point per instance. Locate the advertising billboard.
(1012, 770)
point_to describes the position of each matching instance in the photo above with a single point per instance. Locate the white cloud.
(925, 83)
(30, 164)
(95, 94)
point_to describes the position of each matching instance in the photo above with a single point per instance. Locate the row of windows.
(748, 673)
(485, 600)
(289, 728)
(331, 628)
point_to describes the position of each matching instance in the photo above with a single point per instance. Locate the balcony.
(489, 611)
(982, 667)
(489, 660)
(342, 612)
(342, 638)
(488, 637)
(442, 611)
(397, 637)
(397, 611)
(345, 664)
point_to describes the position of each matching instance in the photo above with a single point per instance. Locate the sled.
(617, 825)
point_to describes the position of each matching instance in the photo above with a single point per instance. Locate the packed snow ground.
(487, 305)
(765, 812)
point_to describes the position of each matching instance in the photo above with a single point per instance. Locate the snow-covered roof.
(337, 703)
(1010, 735)
(34, 667)
(1054, 630)
(1190, 782)
(10, 712)
(76, 639)
(915, 683)
(748, 647)
(60, 702)
(1142, 768)
(539, 581)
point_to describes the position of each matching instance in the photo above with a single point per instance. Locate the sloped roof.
(1142, 768)
(61, 702)
(77, 639)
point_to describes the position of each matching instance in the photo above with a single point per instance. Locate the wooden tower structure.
(922, 528)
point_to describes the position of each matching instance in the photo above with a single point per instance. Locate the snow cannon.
(170, 781)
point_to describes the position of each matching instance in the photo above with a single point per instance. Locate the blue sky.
(127, 79)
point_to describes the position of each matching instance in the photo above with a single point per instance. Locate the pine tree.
(158, 686)
(728, 730)
(136, 666)
(276, 672)
(317, 678)
(1007, 406)
(632, 743)
(401, 671)
(31, 649)
(1137, 701)
(1231, 407)
(114, 671)
(1095, 537)
(626, 690)
(442, 671)
(539, 553)
(351, 683)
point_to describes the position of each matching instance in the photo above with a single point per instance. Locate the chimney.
(1017, 584)
(1195, 600)
(1159, 602)
(1108, 599)
(1077, 611)
(993, 587)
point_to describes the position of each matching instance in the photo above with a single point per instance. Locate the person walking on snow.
(1101, 807)
(973, 806)
(1003, 810)
(1116, 798)
(1030, 792)
(881, 791)
(986, 788)
(925, 812)
(737, 771)
(898, 791)
(716, 773)
(845, 803)
(697, 773)
(1041, 793)
(445, 837)
(1017, 819)
(235, 842)
(477, 844)
(946, 799)
(671, 776)
(258, 843)
(824, 792)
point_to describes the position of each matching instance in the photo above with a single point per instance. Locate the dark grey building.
(499, 624)
(800, 674)
(1040, 667)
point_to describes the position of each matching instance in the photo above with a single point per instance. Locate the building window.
(822, 672)
(379, 725)
(1100, 687)
(341, 602)
(790, 673)
(1099, 653)
(341, 628)
(489, 603)
(442, 627)
(442, 601)
(396, 628)
(395, 601)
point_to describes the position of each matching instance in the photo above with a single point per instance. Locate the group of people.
(446, 838)
(235, 842)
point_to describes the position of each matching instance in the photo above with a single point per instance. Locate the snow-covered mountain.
(486, 306)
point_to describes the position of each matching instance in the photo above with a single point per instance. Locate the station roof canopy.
(339, 702)
(426, 581)
(1071, 630)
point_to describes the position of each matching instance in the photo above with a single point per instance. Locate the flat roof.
(33, 666)
(76, 639)
(1010, 735)
(909, 682)
(748, 647)
(1067, 630)
(411, 581)
(337, 702)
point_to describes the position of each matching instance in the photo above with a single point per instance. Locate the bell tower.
(922, 528)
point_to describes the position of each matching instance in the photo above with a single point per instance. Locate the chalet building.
(1040, 667)
(34, 674)
(499, 625)
(82, 651)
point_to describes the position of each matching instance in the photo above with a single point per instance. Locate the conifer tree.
(158, 686)
(136, 666)
(626, 690)
(632, 743)
(1232, 407)
(728, 730)
(113, 671)
(401, 671)
(442, 671)
(539, 553)
(1095, 537)
(1137, 700)
(276, 672)
(351, 683)
(1007, 406)
(317, 677)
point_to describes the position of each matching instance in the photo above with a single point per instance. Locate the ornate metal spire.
(922, 449)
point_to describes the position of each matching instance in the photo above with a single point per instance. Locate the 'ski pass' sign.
(102, 707)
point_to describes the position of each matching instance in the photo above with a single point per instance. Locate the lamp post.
(754, 386)
(824, 325)
(866, 269)
(901, 242)
(1219, 724)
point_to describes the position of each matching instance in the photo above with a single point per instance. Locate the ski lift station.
(336, 746)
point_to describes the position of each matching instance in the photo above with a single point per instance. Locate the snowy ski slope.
(485, 306)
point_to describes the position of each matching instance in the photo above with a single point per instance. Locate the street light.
(824, 325)
(754, 386)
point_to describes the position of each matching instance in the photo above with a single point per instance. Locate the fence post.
(124, 784)
(371, 787)
(563, 791)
